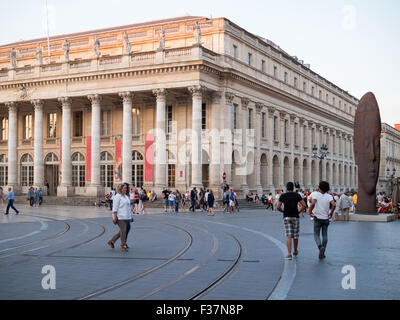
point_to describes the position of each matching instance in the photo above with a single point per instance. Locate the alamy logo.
(49, 280)
(349, 280)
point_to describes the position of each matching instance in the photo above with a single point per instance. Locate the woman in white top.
(122, 216)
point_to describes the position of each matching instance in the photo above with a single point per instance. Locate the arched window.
(3, 170)
(26, 170)
(137, 169)
(106, 169)
(78, 170)
(51, 158)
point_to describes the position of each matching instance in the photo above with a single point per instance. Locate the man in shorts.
(290, 201)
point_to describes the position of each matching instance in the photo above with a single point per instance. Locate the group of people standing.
(35, 196)
(204, 200)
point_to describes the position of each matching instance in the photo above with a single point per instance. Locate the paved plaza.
(191, 256)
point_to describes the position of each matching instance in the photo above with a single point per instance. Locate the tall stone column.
(66, 189)
(161, 145)
(38, 169)
(243, 169)
(215, 141)
(127, 136)
(258, 120)
(196, 92)
(271, 142)
(227, 134)
(12, 147)
(95, 188)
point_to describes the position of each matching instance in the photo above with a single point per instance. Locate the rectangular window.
(235, 51)
(249, 58)
(3, 176)
(51, 125)
(312, 91)
(203, 116)
(304, 86)
(249, 121)
(136, 120)
(169, 119)
(275, 71)
(275, 128)
(171, 175)
(27, 127)
(78, 124)
(285, 77)
(105, 123)
(235, 110)
(263, 124)
(4, 128)
(263, 65)
(295, 133)
(286, 131)
(295, 82)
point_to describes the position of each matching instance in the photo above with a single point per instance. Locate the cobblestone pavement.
(191, 256)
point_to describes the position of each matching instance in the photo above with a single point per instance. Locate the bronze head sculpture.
(367, 151)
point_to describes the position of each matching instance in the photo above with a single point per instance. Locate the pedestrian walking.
(171, 202)
(345, 205)
(210, 202)
(178, 199)
(142, 202)
(324, 206)
(40, 196)
(270, 203)
(11, 199)
(166, 193)
(31, 196)
(111, 198)
(293, 205)
(122, 216)
(37, 196)
(337, 211)
(193, 199)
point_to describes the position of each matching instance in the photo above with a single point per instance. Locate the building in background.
(90, 115)
(390, 157)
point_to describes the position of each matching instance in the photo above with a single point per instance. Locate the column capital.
(160, 93)
(282, 115)
(271, 110)
(259, 106)
(245, 102)
(65, 102)
(196, 91)
(11, 105)
(126, 96)
(216, 96)
(37, 104)
(94, 98)
(229, 96)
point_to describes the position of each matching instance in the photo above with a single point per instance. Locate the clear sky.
(354, 43)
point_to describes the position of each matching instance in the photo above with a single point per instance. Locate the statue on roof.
(66, 50)
(162, 40)
(97, 48)
(128, 46)
(197, 33)
(39, 55)
(13, 58)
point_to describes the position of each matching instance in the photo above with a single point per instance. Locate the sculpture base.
(373, 218)
(65, 191)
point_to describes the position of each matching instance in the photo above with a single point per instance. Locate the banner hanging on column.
(88, 158)
(118, 159)
(148, 157)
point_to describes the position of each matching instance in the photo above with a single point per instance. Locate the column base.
(17, 190)
(260, 190)
(245, 190)
(65, 191)
(95, 191)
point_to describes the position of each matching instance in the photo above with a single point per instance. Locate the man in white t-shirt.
(322, 208)
(171, 202)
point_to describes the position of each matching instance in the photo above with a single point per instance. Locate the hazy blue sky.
(354, 43)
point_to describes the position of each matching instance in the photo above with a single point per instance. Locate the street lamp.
(323, 151)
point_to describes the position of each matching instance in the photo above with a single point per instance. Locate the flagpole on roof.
(47, 31)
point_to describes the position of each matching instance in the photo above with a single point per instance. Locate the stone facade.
(203, 97)
(390, 156)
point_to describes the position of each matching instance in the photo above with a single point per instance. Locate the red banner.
(148, 157)
(88, 158)
(118, 160)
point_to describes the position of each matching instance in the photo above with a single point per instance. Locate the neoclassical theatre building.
(179, 102)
